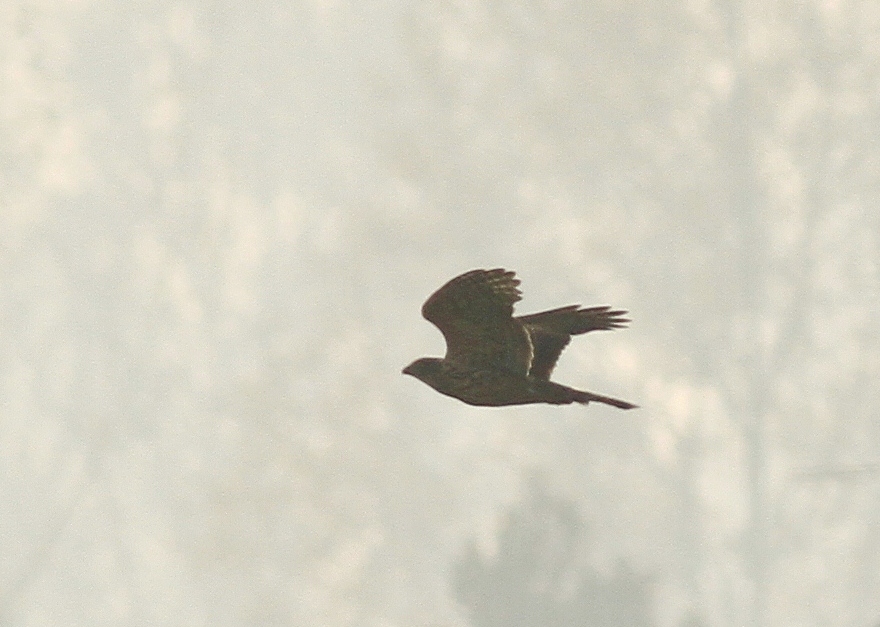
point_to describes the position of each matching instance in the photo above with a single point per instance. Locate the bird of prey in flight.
(494, 358)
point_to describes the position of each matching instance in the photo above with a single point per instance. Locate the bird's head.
(425, 369)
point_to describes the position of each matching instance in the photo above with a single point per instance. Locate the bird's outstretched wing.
(474, 312)
(551, 331)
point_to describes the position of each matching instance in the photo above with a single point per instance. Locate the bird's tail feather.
(586, 397)
(557, 394)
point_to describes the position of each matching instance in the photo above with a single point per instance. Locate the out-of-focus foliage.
(540, 574)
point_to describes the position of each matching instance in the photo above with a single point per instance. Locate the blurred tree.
(538, 576)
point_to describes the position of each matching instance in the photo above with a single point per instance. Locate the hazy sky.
(218, 223)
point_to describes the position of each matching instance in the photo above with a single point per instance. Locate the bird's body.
(494, 358)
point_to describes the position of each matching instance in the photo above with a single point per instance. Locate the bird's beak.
(406, 371)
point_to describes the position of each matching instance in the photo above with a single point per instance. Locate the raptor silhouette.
(494, 358)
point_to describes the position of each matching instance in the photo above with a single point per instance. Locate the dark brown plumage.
(495, 358)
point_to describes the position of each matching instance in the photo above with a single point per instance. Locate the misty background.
(218, 223)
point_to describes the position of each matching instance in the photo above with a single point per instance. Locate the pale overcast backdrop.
(218, 223)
